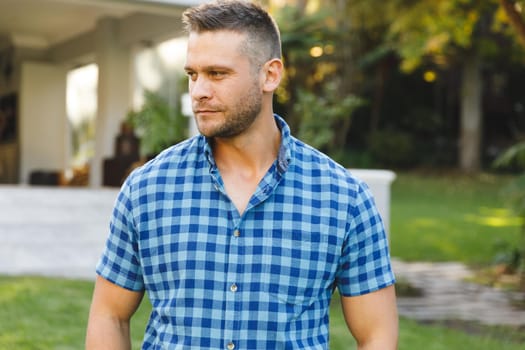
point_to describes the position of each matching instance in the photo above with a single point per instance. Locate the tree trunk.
(471, 116)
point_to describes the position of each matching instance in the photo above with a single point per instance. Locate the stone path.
(447, 296)
(61, 232)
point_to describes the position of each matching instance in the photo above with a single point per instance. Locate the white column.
(114, 92)
(43, 121)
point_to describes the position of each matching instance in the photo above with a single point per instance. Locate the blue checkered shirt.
(260, 280)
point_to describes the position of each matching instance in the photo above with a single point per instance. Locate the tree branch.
(515, 18)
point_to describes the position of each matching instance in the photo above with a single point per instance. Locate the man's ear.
(273, 72)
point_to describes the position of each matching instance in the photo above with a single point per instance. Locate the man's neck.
(252, 152)
(244, 160)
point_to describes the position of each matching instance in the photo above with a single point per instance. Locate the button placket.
(232, 287)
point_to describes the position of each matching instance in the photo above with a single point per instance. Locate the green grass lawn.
(51, 314)
(432, 218)
(451, 218)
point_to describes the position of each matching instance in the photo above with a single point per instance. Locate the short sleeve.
(364, 265)
(119, 262)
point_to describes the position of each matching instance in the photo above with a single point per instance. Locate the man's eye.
(216, 74)
(192, 75)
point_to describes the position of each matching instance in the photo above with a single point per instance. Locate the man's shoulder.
(172, 160)
(310, 160)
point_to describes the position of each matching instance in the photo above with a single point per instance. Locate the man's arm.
(372, 319)
(109, 316)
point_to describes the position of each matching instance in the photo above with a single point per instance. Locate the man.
(240, 235)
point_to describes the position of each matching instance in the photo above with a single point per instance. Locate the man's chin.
(207, 130)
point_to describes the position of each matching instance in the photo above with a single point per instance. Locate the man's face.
(225, 91)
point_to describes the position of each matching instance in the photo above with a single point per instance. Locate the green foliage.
(515, 195)
(351, 158)
(443, 31)
(507, 255)
(515, 191)
(157, 124)
(313, 97)
(392, 148)
(320, 115)
(440, 32)
(300, 31)
(370, 40)
(513, 157)
(412, 139)
(83, 140)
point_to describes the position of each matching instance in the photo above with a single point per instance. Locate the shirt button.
(237, 233)
(230, 346)
(233, 288)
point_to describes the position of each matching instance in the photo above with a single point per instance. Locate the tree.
(514, 10)
(444, 34)
(365, 42)
(315, 97)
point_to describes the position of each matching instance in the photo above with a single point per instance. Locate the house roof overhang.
(59, 28)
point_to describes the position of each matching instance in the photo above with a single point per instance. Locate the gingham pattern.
(262, 280)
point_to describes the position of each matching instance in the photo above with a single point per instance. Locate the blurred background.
(433, 90)
(403, 84)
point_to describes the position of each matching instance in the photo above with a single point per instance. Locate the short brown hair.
(263, 40)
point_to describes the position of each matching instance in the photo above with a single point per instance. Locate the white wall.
(380, 182)
(114, 93)
(43, 121)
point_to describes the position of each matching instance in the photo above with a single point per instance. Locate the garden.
(432, 90)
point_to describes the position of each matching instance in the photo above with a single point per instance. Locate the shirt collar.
(285, 151)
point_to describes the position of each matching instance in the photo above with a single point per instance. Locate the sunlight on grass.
(465, 219)
(11, 292)
(422, 223)
(494, 217)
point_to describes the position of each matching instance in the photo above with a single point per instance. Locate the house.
(40, 42)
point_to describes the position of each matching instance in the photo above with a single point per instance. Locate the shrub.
(392, 148)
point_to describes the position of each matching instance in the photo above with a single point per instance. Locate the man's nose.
(200, 88)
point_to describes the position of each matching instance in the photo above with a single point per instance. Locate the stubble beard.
(237, 118)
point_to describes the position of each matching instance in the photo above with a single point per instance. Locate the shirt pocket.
(298, 269)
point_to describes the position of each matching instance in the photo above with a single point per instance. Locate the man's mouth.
(205, 111)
